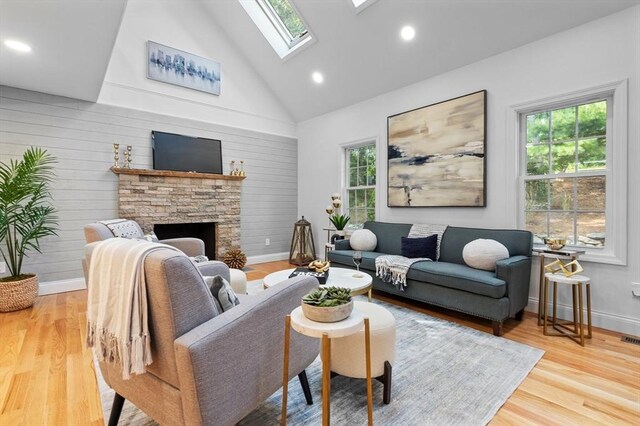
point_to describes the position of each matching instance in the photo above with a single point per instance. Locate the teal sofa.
(449, 282)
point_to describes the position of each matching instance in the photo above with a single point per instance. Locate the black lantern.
(303, 250)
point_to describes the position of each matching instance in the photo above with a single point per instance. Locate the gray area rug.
(445, 374)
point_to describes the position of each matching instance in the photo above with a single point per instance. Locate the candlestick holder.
(127, 157)
(116, 154)
(241, 171)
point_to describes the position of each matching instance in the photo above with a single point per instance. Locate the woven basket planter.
(16, 295)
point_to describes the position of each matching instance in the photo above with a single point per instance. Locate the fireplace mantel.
(172, 173)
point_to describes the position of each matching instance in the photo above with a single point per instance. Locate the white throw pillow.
(363, 240)
(483, 254)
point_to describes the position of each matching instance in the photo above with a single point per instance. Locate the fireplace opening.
(205, 231)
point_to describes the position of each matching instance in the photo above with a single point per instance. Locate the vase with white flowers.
(337, 219)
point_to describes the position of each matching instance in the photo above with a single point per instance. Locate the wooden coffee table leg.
(369, 293)
(326, 379)
(367, 344)
(285, 368)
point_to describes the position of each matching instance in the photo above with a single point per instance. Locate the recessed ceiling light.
(17, 45)
(317, 77)
(407, 33)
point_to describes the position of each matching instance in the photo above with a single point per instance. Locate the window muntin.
(361, 183)
(566, 172)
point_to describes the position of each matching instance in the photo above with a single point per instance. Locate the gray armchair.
(210, 369)
(190, 246)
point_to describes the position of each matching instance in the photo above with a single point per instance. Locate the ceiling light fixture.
(17, 45)
(407, 33)
(317, 77)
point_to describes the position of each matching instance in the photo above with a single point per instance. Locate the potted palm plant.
(25, 218)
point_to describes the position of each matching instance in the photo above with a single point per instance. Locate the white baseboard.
(61, 286)
(619, 323)
(252, 260)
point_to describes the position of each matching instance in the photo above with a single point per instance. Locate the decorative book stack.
(321, 276)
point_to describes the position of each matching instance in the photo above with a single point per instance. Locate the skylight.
(279, 22)
(360, 5)
(287, 17)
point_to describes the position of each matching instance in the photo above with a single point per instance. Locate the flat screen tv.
(186, 153)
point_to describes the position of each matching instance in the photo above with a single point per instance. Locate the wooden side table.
(576, 282)
(547, 254)
(326, 331)
(327, 248)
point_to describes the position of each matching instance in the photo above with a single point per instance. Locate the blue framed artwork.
(178, 67)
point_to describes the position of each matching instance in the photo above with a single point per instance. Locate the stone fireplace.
(155, 198)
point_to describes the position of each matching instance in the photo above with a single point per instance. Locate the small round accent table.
(575, 333)
(326, 331)
(338, 277)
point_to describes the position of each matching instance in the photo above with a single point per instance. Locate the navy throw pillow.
(420, 247)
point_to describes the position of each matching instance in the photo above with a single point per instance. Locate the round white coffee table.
(338, 277)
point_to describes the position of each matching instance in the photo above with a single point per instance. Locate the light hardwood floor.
(47, 375)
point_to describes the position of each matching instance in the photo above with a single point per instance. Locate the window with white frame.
(565, 175)
(279, 22)
(572, 151)
(361, 183)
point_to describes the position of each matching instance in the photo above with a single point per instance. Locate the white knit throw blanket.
(393, 269)
(117, 312)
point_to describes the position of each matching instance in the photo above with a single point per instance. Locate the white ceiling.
(71, 40)
(360, 55)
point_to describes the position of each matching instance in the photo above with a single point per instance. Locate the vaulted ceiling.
(361, 55)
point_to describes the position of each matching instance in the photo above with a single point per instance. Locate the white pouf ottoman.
(348, 353)
(238, 281)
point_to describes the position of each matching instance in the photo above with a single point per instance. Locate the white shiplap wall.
(81, 135)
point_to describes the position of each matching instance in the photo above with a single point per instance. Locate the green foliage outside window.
(289, 17)
(361, 181)
(560, 145)
(556, 130)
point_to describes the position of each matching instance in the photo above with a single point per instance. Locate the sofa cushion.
(460, 277)
(363, 240)
(339, 258)
(483, 254)
(388, 235)
(518, 242)
(420, 247)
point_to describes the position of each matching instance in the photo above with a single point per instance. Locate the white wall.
(245, 100)
(599, 52)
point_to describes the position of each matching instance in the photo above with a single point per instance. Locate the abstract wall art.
(436, 154)
(175, 66)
